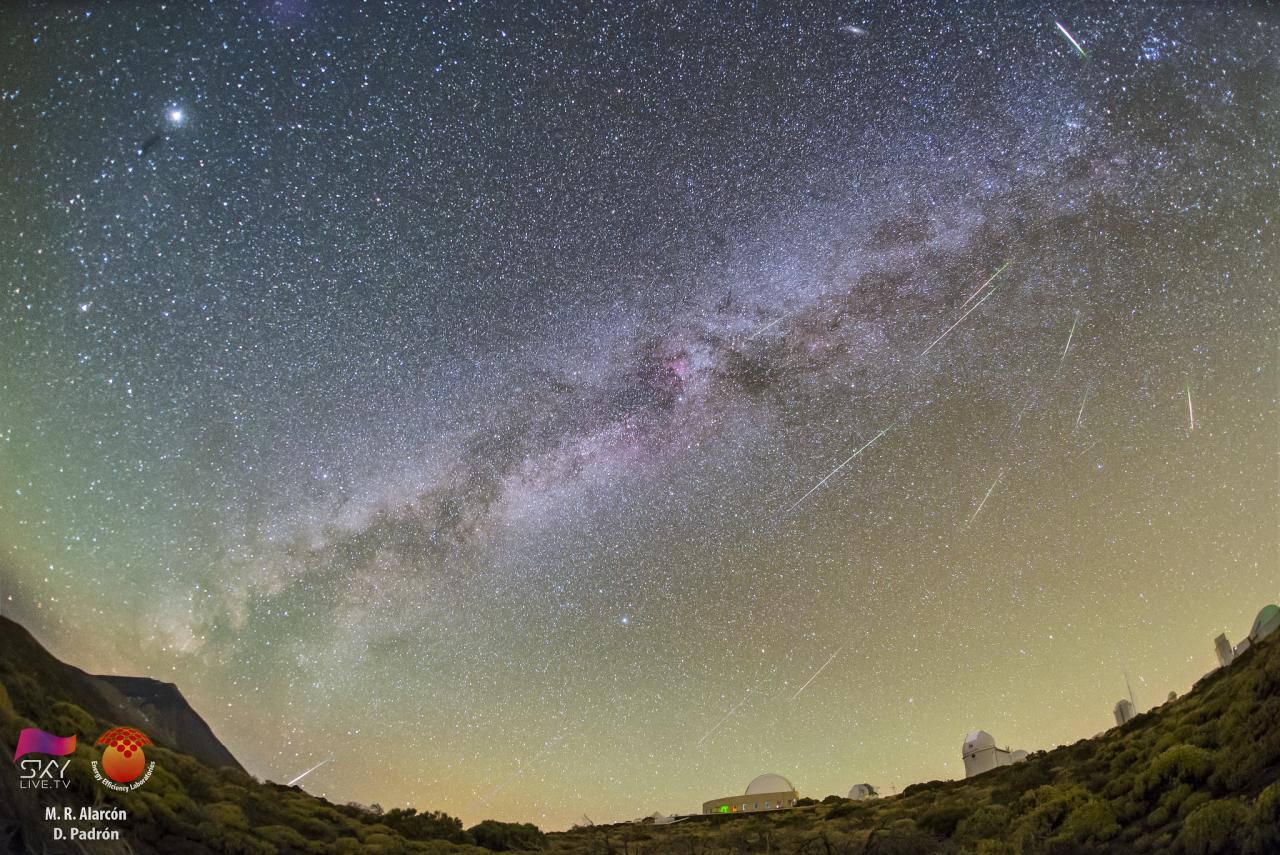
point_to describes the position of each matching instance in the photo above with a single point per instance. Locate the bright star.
(176, 115)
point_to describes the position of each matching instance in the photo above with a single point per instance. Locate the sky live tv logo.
(42, 774)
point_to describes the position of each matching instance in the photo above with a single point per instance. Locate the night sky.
(463, 392)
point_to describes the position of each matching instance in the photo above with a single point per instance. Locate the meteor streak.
(948, 330)
(1070, 336)
(1191, 412)
(1071, 39)
(983, 503)
(833, 472)
(770, 324)
(733, 709)
(983, 285)
(830, 659)
(1080, 414)
(309, 771)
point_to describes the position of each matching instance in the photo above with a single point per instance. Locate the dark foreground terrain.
(1196, 775)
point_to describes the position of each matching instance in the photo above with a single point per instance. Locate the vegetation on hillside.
(189, 808)
(1199, 775)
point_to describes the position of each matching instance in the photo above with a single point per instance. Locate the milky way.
(569, 411)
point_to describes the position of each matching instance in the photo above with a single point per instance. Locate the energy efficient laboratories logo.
(122, 760)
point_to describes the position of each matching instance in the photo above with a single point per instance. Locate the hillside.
(199, 800)
(156, 708)
(1197, 775)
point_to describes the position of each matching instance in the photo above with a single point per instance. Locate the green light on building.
(724, 808)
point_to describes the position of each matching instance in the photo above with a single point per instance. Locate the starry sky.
(567, 410)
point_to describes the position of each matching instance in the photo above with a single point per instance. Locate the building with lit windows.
(767, 792)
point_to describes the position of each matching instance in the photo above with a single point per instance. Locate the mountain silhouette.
(157, 709)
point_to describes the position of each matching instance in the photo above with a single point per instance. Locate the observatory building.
(981, 754)
(767, 792)
(862, 792)
(1267, 622)
(1222, 647)
(1123, 711)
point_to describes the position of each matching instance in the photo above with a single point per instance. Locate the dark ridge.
(157, 709)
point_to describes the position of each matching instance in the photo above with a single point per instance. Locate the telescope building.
(766, 792)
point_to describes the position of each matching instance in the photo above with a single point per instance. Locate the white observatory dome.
(769, 783)
(979, 740)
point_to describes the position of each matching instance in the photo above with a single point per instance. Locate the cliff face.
(168, 713)
(157, 709)
(198, 801)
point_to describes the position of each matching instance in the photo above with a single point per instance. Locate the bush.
(926, 786)
(1264, 822)
(845, 808)
(428, 825)
(1179, 763)
(988, 821)
(941, 821)
(1090, 822)
(227, 815)
(69, 718)
(901, 838)
(282, 835)
(1211, 828)
(995, 847)
(1192, 802)
(505, 836)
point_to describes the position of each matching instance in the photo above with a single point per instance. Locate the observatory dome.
(1266, 622)
(769, 783)
(978, 740)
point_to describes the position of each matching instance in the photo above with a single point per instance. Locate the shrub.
(995, 847)
(1175, 797)
(428, 825)
(506, 836)
(1192, 802)
(901, 838)
(1179, 763)
(941, 821)
(924, 787)
(1090, 822)
(986, 821)
(232, 841)
(228, 815)
(1049, 808)
(69, 718)
(1264, 822)
(1211, 828)
(282, 835)
(845, 808)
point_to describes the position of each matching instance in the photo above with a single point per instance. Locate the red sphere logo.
(122, 759)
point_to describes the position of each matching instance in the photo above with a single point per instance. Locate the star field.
(565, 410)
